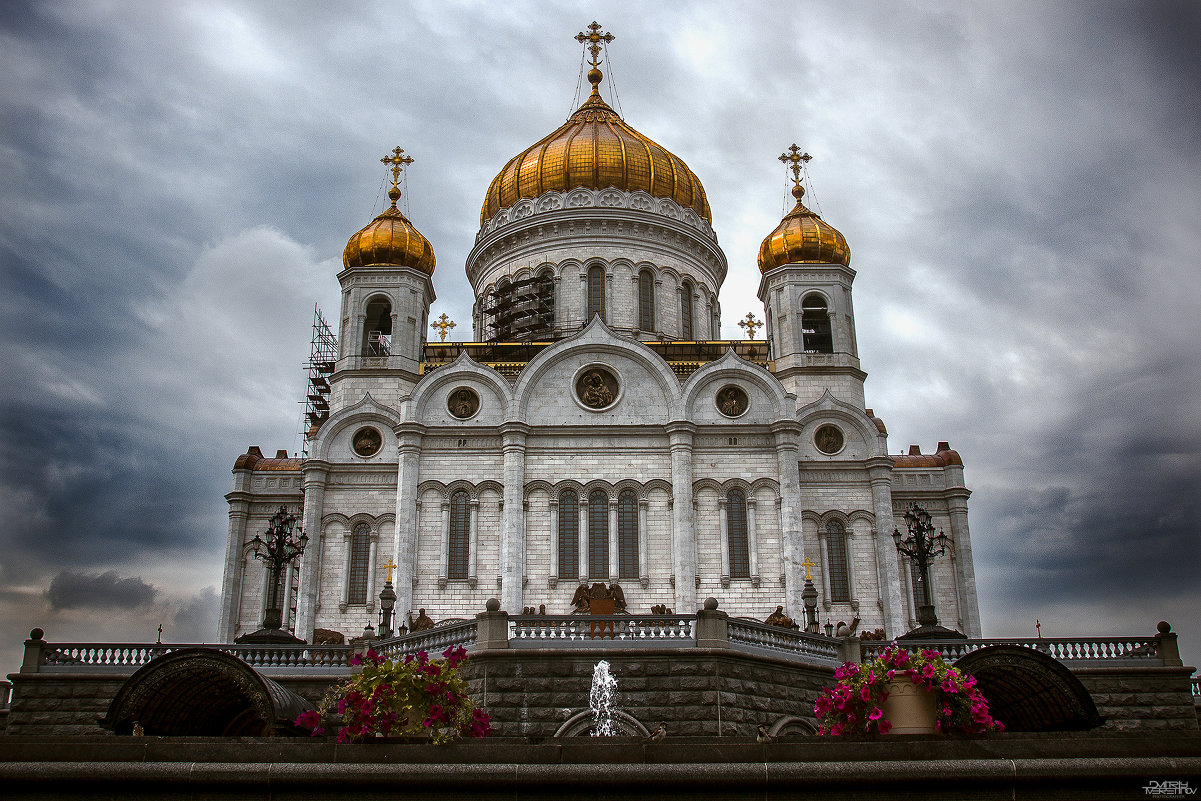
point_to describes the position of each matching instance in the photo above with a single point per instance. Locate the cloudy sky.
(1020, 184)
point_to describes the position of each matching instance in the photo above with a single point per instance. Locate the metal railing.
(551, 631)
(788, 641)
(1143, 650)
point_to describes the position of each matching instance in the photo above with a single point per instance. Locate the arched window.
(546, 304)
(836, 552)
(460, 535)
(596, 293)
(740, 553)
(646, 301)
(377, 328)
(627, 534)
(686, 310)
(569, 534)
(360, 550)
(598, 535)
(815, 325)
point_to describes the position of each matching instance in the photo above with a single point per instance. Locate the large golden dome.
(595, 149)
(390, 240)
(803, 238)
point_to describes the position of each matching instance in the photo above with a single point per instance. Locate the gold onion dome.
(390, 240)
(595, 149)
(802, 237)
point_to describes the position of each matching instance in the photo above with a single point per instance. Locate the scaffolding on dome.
(322, 357)
(521, 311)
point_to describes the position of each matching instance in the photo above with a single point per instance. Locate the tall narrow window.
(569, 534)
(596, 293)
(740, 554)
(646, 301)
(360, 550)
(919, 587)
(836, 552)
(815, 325)
(460, 535)
(627, 535)
(546, 304)
(686, 310)
(377, 328)
(598, 535)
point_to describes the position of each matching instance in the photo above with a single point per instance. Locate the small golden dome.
(595, 149)
(390, 240)
(803, 238)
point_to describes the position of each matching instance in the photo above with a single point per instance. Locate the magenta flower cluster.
(852, 706)
(416, 696)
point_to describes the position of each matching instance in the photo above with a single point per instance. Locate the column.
(752, 539)
(512, 538)
(879, 471)
(444, 546)
(371, 569)
(286, 602)
(554, 541)
(786, 434)
(583, 518)
(348, 545)
(316, 473)
(405, 538)
(644, 575)
(560, 306)
(264, 595)
(724, 533)
(231, 584)
(614, 574)
(852, 587)
(969, 605)
(680, 434)
(473, 539)
(824, 555)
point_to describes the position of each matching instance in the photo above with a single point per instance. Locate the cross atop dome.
(795, 159)
(595, 38)
(398, 160)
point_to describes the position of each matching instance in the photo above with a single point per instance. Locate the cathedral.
(597, 428)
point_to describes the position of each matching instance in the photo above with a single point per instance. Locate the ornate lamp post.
(923, 546)
(280, 548)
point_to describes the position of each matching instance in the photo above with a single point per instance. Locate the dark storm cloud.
(107, 590)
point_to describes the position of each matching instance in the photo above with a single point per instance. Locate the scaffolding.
(521, 311)
(322, 357)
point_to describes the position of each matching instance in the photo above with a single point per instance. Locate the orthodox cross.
(750, 324)
(397, 159)
(807, 564)
(594, 37)
(443, 324)
(391, 566)
(794, 158)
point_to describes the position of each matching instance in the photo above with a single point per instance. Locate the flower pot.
(909, 708)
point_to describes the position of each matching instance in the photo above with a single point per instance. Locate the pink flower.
(875, 714)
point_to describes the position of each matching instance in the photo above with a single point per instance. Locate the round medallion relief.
(828, 439)
(367, 441)
(731, 401)
(597, 387)
(463, 402)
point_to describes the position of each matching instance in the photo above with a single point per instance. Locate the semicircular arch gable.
(1028, 690)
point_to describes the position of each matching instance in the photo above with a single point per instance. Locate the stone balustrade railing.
(1142, 650)
(125, 657)
(786, 641)
(433, 641)
(550, 631)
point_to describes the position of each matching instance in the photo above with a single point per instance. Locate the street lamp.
(923, 546)
(282, 545)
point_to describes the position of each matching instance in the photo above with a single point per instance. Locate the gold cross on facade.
(443, 324)
(594, 37)
(750, 324)
(398, 160)
(794, 158)
(391, 566)
(807, 564)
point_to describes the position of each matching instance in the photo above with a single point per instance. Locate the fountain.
(603, 700)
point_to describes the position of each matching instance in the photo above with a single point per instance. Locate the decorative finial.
(160, 634)
(794, 158)
(442, 325)
(807, 564)
(750, 324)
(594, 37)
(397, 159)
(391, 566)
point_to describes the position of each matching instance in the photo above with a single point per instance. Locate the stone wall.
(1142, 699)
(60, 703)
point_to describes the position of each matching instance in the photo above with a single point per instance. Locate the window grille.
(598, 535)
(627, 535)
(460, 535)
(686, 311)
(919, 586)
(836, 552)
(360, 551)
(596, 293)
(740, 554)
(646, 301)
(569, 534)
